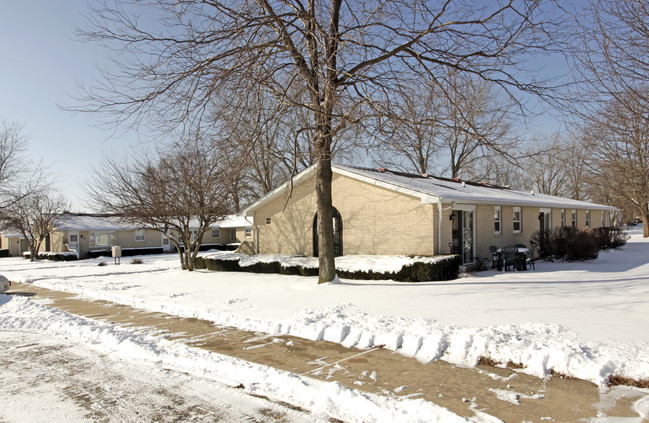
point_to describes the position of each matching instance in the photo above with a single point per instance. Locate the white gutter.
(439, 227)
(252, 223)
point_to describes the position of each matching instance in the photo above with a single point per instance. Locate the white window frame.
(233, 234)
(216, 233)
(547, 216)
(563, 217)
(94, 235)
(140, 235)
(603, 218)
(498, 222)
(518, 210)
(588, 218)
(574, 218)
(248, 233)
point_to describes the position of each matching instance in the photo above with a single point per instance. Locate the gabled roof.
(431, 189)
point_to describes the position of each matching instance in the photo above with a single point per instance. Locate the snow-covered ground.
(48, 378)
(588, 320)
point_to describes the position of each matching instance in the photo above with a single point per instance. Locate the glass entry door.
(463, 234)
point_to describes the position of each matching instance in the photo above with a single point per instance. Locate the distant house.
(91, 235)
(95, 234)
(12, 244)
(377, 211)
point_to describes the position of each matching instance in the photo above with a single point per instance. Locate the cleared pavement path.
(500, 392)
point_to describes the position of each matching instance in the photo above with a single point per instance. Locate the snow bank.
(352, 263)
(586, 320)
(324, 399)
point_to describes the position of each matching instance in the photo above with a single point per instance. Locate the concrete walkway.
(502, 393)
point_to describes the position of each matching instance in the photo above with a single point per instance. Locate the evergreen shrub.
(443, 269)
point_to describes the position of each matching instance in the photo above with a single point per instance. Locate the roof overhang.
(310, 171)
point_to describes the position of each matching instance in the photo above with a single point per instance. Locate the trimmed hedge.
(218, 247)
(55, 256)
(441, 270)
(4, 253)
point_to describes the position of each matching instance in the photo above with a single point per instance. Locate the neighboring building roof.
(95, 222)
(433, 189)
(92, 222)
(233, 221)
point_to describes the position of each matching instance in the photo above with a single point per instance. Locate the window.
(140, 235)
(194, 234)
(574, 218)
(248, 232)
(216, 233)
(517, 220)
(268, 220)
(563, 217)
(102, 239)
(497, 229)
(233, 234)
(588, 218)
(603, 218)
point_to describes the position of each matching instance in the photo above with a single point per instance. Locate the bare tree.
(545, 167)
(180, 192)
(409, 136)
(477, 123)
(613, 85)
(613, 60)
(576, 168)
(34, 213)
(13, 145)
(448, 124)
(618, 145)
(344, 57)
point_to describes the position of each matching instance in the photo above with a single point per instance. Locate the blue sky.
(40, 62)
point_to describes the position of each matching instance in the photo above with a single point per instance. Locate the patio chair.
(529, 257)
(510, 257)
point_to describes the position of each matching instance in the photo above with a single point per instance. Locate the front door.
(166, 245)
(73, 241)
(463, 235)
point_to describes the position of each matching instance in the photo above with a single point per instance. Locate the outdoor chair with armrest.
(509, 255)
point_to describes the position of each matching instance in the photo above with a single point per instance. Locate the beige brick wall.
(375, 220)
(446, 229)
(556, 217)
(126, 239)
(289, 231)
(485, 235)
(381, 221)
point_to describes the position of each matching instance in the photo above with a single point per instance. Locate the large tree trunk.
(326, 258)
(644, 210)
